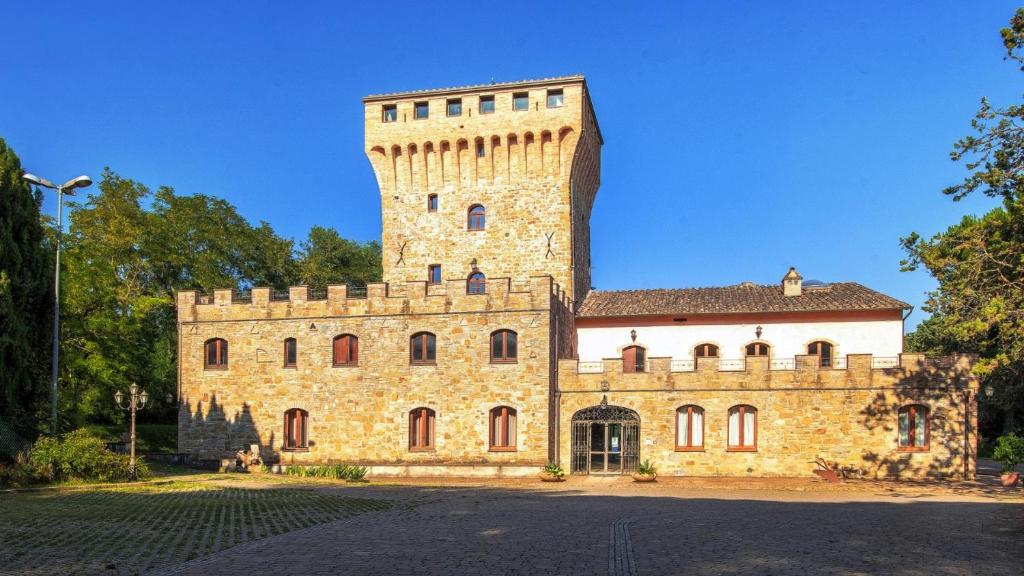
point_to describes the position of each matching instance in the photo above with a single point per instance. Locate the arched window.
(634, 359)
(504, 346)
(757, 349)
(476, 284)
(423, 348)
(346, 350)
(421, 429)
(689, 428)
(743, 428)
(913, 425)
(216, 354)
(705, 351)
(823, 350)
(291, 352)
(503, 429)
(476, 217)
(295, 429)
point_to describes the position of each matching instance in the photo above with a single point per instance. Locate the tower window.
(521, 101)
(421, 110)
(432, 203)
(455, 107)
(215, 355)
(504, 346)
(346, 350)
(477, 220)
(555, 98)
(486, 104)
(290, 352)
(434, 274)
(480, 151)
(390, 113)
(476, 284)
(423, 348)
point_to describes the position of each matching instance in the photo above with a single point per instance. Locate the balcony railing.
(732, 365)
(681, 365)
(740, 364)
(782, 364)
(885, 361)
(590, 368)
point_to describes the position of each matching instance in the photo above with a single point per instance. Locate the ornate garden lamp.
(137, 399)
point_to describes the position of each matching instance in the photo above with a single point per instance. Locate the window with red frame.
(689, 428)
(477, 217)
(504, 346)
(743, 428)
(215, 355)
(295, 422)
(913, 427)
(503, 429)
(423, 348)
(346, 350)
(634, 359)
(421, 429)
(758, 349)
(823, 350)
(476, 283)
(705, 351)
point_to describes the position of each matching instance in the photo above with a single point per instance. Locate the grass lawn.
(128, 529)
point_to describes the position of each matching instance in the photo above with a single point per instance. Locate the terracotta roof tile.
(746, 297)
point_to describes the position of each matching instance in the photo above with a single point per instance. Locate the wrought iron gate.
(604, 414)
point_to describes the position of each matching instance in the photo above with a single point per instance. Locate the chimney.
(792, 283)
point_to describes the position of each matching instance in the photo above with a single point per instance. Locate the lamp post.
(137, 399)
(66, 188)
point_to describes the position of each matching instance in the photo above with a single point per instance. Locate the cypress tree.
(26, 300)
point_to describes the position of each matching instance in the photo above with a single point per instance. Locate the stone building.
(485, 352)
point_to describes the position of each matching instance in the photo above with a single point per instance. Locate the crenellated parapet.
(376, 299)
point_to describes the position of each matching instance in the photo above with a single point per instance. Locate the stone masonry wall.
(360, 414)
(849, 416)
(533, 165)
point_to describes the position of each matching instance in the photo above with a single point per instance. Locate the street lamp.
(137, 399)
(66, 188)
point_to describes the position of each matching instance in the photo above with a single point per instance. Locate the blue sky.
(740, 137)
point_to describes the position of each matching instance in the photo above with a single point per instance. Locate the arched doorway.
(605, 440)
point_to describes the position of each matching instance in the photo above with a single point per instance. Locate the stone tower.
(525, 154)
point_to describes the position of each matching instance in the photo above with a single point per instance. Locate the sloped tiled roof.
(741, 298)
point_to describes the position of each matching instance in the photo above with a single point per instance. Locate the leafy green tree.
(979, 263)
(26, 299)
(327, 258)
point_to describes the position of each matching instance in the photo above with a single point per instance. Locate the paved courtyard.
(583, 526)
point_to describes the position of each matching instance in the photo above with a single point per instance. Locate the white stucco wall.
(878, 337)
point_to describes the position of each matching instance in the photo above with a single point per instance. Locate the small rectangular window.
(455, 107)
(421, 110)
(390, 112)
(555, 99)
(521, 101)
(486, 104)
(432, 203)
(480, 151)
(434, 274)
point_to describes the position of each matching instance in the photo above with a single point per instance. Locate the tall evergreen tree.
(26, 299)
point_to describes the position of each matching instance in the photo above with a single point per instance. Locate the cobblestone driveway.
(597, 527)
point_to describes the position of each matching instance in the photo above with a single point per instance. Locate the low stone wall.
(848, 415)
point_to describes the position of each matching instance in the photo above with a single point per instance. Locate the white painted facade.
(882, 338)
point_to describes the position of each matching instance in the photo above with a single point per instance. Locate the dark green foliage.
(148, 437)
(336, 471)
(26, 300)
(80, 455)
(979, 262)
(1009, 451)
(129, 250)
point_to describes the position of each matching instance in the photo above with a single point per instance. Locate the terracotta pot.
(549, 477)
(1009, 479)
(638, 477)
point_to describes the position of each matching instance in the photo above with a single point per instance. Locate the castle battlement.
(762, 373)
(377, 299)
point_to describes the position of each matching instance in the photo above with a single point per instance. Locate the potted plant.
(552, 473)
(1009, 452)
(646, 472)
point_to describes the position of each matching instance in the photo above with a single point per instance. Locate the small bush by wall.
(336, 471)
(80, 455)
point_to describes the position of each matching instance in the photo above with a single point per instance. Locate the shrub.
(554, 469)
(336, 471)
(81, 456)
(1009, 451)
(647, 469)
